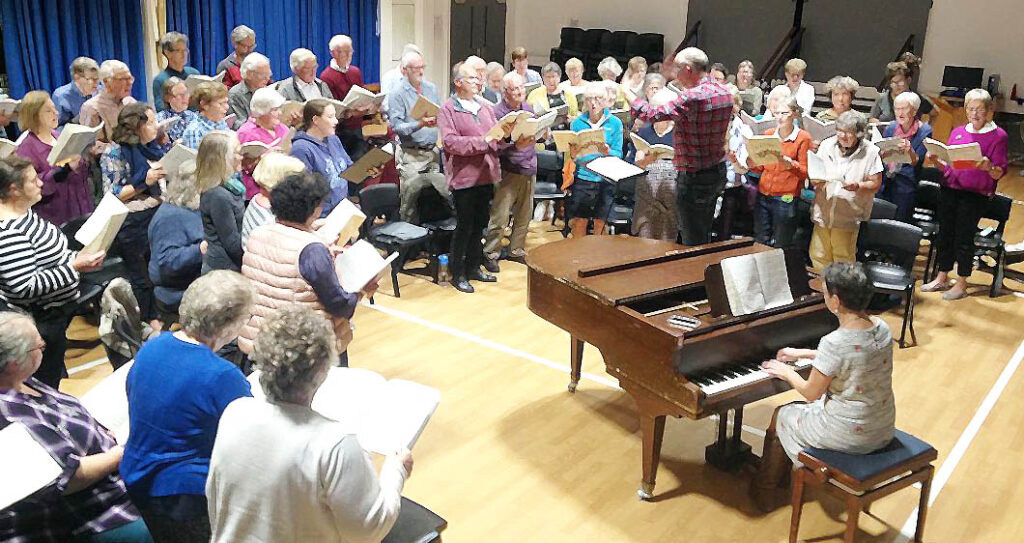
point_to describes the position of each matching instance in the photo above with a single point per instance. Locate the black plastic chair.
(990, 243)
(549, 181)
(881, 209)
(569, 39)
(925, 217)
(620, 219)
(887, 248)
(392, 234)
(612, 45)
(649, 45)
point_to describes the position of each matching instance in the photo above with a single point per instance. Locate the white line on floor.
(960, 448)
(512, 351)
(87, 366)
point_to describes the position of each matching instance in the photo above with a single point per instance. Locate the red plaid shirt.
(702, 116)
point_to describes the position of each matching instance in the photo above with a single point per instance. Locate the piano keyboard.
(719, 380)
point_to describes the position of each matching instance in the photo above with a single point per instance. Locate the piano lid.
(618, 269)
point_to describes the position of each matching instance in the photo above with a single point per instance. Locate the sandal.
(936, 287)
(954, 295)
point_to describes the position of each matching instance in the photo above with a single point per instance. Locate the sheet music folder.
(718, 300)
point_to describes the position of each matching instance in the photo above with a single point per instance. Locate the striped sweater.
(35, 263)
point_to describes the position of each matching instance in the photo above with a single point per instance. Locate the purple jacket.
(514, 159)
(468, 159)
(993, 145)
(66, 194)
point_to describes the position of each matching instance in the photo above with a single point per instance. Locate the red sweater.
(340, 83)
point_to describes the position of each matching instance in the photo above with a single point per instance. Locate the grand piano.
(626, 296)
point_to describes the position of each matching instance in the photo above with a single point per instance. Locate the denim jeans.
(696, 196)
(774, 220)
(902, 191)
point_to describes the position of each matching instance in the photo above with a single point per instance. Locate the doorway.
(478, 28)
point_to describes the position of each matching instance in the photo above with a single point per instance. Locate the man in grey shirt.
(418, 137)
(255, 75)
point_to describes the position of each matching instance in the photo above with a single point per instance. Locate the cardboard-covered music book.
(99, 231)
(756, 280)
(964, 156)
(194, 80)
(582, 139)
(385, 415)
(657, 150)
(424, 108)
(374, 159)
(27, 467)
(532, 127)
(360, 98)
(511, 118)
(342, 224)
(614, 169)
(758, 126)
(9, 106)
(178, 155)
(253, 149)
(819, 130)
(763, 150)
(7, 147)
(291, 107)
(73, 140)
(107, 402)
(890, 152)
(359, 264)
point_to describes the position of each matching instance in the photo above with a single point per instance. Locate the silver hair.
(111, 67)
(83, 65)
(551, 68)
(242, 32)
(908, 98)
(694, 58)
(408, 57)
(293, 351)
(853, 121)
(474, 60)
(780, 92)
(263, 101)
(171, 39)
(411, 47)
(652, 79)
(251, 62)
(595, 89)
(981, 95)
(337, 41)
(494, 67)
(169, 85)
(182, 190)
(216, 304)
(842, 83)
(299, 57)
(511, 78)
(15, 342)
(609, 66)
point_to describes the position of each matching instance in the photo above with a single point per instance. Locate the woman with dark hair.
(67, 193)
(900, 75)
(321, 151)
(38, 273)
(289, 263)
(130, 171)
(850, 406)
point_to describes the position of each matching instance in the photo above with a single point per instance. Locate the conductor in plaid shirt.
(702, 114)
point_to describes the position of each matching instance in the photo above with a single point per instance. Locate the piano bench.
(860, 479)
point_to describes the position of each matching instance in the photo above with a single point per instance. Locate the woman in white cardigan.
(282, 472)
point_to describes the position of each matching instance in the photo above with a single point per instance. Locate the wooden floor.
(511, 456)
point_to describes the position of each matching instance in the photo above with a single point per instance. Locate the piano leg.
(729, 452)
(652, 430)
(576, 361)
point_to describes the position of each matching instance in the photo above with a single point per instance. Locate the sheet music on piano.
(756, 282)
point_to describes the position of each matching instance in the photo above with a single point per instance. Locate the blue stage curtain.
(281, 26)
(42, 37)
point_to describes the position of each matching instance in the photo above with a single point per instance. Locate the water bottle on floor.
(442, 270)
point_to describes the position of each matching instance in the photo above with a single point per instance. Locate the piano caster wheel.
(572, 387)
(645, 492)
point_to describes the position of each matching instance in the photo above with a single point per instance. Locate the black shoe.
(462, 285)
(491, 265)
(481, 276)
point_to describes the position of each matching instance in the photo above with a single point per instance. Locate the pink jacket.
(271, 261)
(468, 159)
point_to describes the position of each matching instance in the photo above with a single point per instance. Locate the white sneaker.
(1015, 247)
(539, 212)
(549, 210)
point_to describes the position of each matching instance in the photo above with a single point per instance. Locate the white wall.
(423, 22)
(984, 34)
(535, 23)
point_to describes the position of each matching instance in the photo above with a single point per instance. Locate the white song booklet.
(756, 282)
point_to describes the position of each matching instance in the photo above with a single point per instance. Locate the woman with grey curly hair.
(841, 89)
(176, 243)
(177, 391)
(279, 468)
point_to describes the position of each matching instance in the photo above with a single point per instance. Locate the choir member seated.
(87, 502)
(256, 74)
(211, 101)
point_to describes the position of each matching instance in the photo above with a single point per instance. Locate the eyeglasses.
(125, 78)
(39, 347)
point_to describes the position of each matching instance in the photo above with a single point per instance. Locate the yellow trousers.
(830, 245)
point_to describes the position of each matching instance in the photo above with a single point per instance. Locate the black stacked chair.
(881, 209)
(887, 248)
(569, 40)
(925, 217)
(620, 219)
(385, 230)
(549, 181)
(649, 45)
(613, 44)
(989, 241)
(437, 215)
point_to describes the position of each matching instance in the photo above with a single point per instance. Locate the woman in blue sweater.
(176, 243)
(900, 184)
(321, 151)
(590, 196)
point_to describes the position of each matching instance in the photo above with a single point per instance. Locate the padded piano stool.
(416, 524)
(859, 479)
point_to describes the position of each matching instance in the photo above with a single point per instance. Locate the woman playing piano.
(849, 390)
